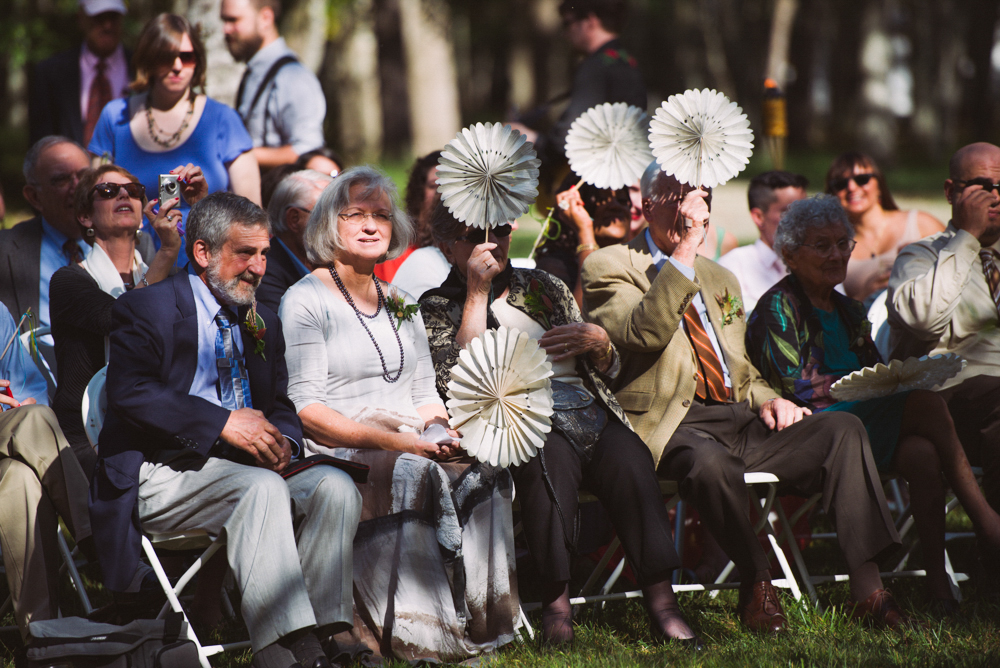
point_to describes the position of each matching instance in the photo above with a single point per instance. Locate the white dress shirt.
(757, 267)
(659, 257)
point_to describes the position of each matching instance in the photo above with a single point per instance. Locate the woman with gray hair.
(804, 336)
(435, 545)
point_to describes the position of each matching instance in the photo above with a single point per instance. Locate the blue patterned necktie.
(234, 385)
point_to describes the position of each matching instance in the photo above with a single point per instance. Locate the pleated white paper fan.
(488, 175)
(607, 146)
(701, 138)
(881, 380)
(500, 397)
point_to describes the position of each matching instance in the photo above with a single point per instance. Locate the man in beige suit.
(941, 301)
(692, 394)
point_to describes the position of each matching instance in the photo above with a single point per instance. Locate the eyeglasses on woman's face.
(476, 235)
(838, 185)
(359, 217)
(111, 190)
(825, 248)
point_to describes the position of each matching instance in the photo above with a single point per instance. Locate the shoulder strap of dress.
(912, 231)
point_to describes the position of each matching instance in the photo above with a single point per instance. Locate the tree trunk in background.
(779, 46)
(709, 19)
(430, 73)
(352, 75)
(877, 128)
(977, 120)
(223, 74)
(304, 28)
(392, 75)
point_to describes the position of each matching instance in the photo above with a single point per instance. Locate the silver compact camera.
(169, 187)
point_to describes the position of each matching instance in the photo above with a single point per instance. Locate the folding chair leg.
(524, 622)
(788, 538)
(595, 575)
(172, 599)
(74, 574)
(679, 519)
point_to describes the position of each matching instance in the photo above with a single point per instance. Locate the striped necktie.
(234, 384)
(988, 256)
(711, 382)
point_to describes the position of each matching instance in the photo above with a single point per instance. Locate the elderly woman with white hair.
(804, 336)
(434, 571)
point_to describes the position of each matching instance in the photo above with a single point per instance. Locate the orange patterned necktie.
(711, 383)
(988, 256)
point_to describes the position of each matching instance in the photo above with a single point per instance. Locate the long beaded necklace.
(361, 318)
(173, 139)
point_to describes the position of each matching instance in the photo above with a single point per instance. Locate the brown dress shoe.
(881, 610)
(760, 611)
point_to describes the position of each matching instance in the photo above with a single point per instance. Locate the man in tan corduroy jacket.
(708, 416)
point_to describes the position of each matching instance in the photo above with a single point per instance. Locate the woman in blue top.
(167, 125)
(804, 336)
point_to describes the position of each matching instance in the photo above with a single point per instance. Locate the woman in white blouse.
(435, 544)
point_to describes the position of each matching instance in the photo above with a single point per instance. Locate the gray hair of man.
(34, 153)
(291, 192)
(322, 237)
(807, 214)
(213, 217)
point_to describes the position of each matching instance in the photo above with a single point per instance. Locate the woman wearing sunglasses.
(168, 124)
(591, 445)
(880, 228)
(110, 203)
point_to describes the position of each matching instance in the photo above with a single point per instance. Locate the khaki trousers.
(40, 478)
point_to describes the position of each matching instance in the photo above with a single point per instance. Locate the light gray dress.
(434, 571)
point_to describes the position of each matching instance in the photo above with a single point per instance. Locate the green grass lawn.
(618, 635)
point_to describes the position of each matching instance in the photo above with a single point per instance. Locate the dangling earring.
(89, 233)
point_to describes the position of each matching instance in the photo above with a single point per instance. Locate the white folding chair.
(95, 405)
(46, 353)
(189, 540)
(669, 488)
(94, 409)
(904, 523)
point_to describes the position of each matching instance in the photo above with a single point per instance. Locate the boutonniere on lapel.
(732, 307)
(862, 335)
(538, 303)
(254, 325)
(399, 308)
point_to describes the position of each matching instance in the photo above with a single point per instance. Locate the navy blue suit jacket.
(154, 352)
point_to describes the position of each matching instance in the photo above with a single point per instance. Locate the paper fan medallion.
(500, 397)
(915, 373)
(701, 138)
(607, 145)
(488, 175)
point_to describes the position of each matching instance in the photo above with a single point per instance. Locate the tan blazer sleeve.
(636, 318)
(927, 282)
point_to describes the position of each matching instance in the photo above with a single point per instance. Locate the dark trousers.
(622, 475)
(716, 444)
(975, 407)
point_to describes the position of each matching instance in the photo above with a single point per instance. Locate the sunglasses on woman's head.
(476, 235)
(841, 184)
(111, 190)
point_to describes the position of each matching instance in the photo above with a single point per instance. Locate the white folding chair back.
(46, 352)
(95, 405)
(187, 540)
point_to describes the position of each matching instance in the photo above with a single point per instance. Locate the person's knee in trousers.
(336, 490)
(714, 470)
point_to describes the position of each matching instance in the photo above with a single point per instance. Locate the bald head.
(968, 159)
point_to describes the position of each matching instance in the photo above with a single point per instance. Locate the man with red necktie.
(692, 394)
(67, 92)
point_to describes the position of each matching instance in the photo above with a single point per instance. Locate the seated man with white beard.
(198, 427)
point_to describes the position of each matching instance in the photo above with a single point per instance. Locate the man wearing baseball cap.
(67, 92)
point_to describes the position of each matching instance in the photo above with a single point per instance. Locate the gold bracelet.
(587, 247)
(607, 351)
